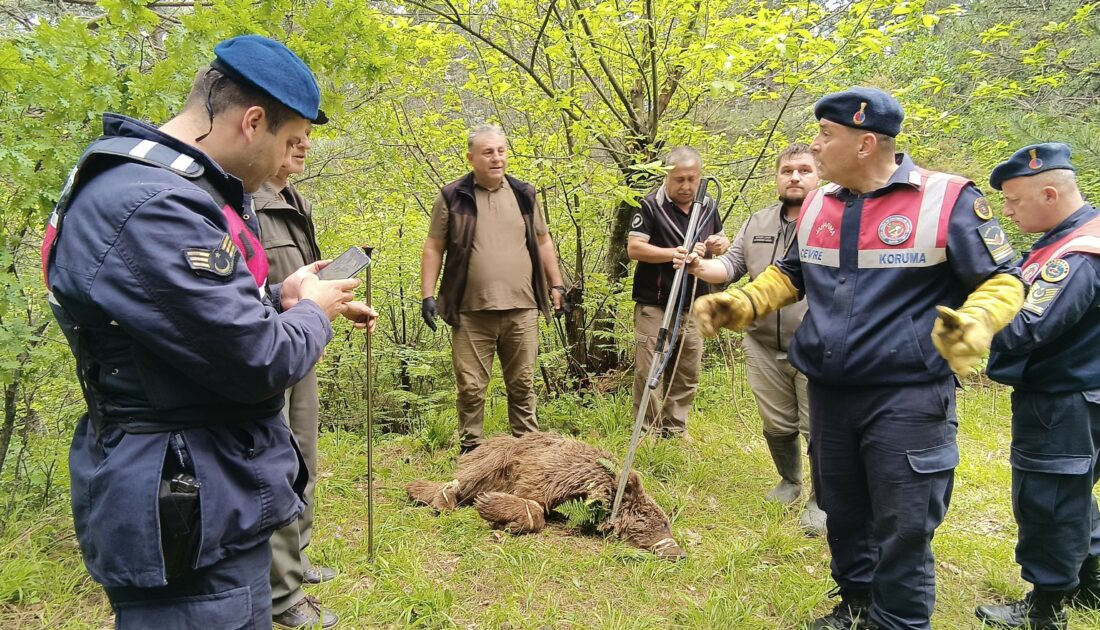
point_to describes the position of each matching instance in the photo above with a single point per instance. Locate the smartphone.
(347, 265)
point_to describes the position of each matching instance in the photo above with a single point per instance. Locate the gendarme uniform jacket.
(1051, 345)
(158, 282)
(763, 239)
(874, 266)
(286, 230)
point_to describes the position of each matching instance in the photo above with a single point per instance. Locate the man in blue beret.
(1048, 354)
(182, 465)
(884, 255)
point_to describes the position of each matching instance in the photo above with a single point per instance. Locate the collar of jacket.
(268, 197)
(118, 125)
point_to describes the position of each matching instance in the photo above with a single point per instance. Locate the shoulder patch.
(1039, 297)
(219, 262)
(996, 241)
(636, 222)
(1055, 270)
(982, 209)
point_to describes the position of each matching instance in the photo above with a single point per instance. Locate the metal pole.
(370, 424)
(672, 308)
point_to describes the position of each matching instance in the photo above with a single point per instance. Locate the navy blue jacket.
(1052, 343)
(871, 311)
(164, 346)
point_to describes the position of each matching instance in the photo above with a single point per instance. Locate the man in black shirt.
(656, 231)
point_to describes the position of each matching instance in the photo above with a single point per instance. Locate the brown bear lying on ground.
(515, 482)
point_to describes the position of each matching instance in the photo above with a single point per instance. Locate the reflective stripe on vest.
(894, 231)
(1085, 239)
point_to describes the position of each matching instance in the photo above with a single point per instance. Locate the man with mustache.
(884, 256)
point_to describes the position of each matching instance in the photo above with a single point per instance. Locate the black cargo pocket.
(228, 610)
(934, 460)
(1048, 489)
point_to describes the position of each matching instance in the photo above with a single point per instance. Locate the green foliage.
(592, 95)
(584, 514)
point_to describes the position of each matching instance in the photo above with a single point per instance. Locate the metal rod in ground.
(370, 425)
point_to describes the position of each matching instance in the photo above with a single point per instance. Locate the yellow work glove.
(963, 336)
(737, 308)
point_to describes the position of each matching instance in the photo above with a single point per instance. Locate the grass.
(748, 566)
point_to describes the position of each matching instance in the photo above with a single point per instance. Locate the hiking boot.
(852, 613)
(1087, 593)
(813, 519)
(316, 575)
(306, 613)
(787, 454)
(1040, 610)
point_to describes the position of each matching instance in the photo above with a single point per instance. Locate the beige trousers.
(780, 391)
(513, 336)
(681, 378)
(288, 545)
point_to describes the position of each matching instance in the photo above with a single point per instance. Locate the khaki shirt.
(499, 274)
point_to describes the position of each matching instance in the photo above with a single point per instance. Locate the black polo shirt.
(661, 223)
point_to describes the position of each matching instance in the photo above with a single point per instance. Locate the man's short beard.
(792, 201)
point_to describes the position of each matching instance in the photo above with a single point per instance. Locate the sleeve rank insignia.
(982, 209)
(1040, 296)
(220, 261)
(1055, 270)
(996, 241)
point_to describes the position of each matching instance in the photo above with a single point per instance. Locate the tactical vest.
(894, 232)
(1085, 239)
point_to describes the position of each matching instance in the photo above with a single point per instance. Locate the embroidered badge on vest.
(1055, 270)
(895, 229)
(1035, 163)
(860, 117)
(1030, 271)
(982, 209)
(996, 241)
(220, 261)
(1040, 296)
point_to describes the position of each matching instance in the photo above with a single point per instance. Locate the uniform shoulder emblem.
(982, 209)
(1055, 270)
(996, 241)
(1040, 296)
(219, 262)
(636, 221)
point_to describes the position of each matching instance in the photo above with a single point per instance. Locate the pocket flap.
(935, 459)
(228, 609)
(1050, 464)
(278, 242)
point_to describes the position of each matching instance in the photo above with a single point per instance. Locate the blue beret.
(273, 69)
(867, 109)
(1032, 160)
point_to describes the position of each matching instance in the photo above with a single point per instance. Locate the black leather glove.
(428, 311)
(566, 307)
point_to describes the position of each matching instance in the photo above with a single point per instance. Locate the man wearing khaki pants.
(500, 260)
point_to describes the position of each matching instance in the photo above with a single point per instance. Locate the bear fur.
(515, 482)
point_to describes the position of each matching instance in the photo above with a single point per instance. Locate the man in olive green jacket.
(287, 235)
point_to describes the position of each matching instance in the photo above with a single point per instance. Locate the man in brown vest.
(500, 259)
